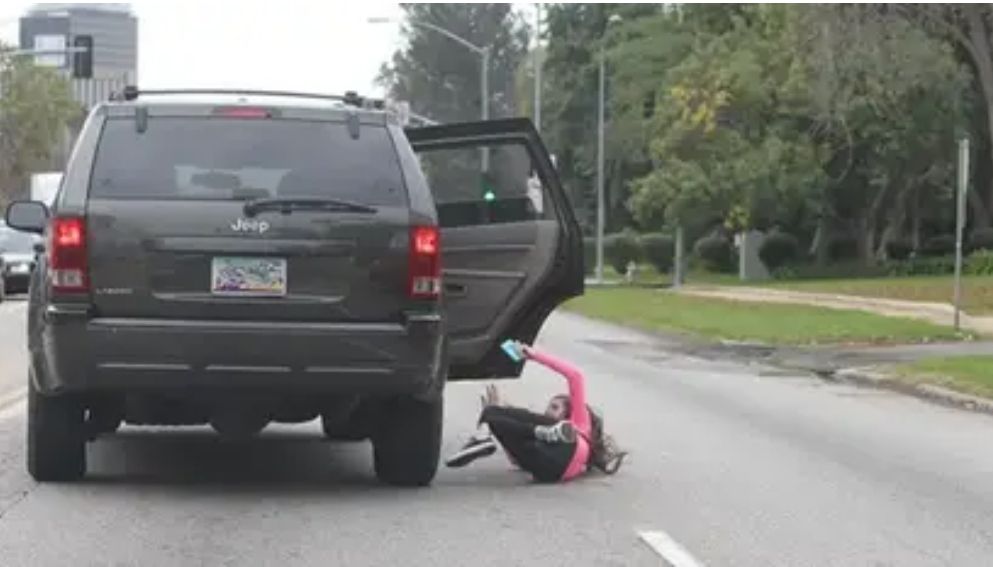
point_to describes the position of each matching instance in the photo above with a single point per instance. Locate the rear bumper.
(184, 356)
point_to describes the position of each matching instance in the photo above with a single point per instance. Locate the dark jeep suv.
(238, 258)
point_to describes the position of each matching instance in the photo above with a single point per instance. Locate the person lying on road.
(558, 445)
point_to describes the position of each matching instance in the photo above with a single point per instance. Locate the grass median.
(657, 310)
(969, 374)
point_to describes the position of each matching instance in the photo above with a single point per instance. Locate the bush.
(979, 263)
(922, 266)
(620, 249)
(834, 270)
(779, 249)
(899, 249)
(658, 250)
(714, 253)
(941, 245)
(981, 239)
(841, 249)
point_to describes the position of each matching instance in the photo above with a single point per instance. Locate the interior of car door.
(511, 245)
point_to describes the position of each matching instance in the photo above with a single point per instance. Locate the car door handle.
(456, 290)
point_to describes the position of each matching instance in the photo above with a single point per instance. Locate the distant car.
(237, 258)
(17, 259)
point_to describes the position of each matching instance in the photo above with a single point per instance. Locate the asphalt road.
(739, 465)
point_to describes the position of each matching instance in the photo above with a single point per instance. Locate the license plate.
(256, 277)
(20, 269)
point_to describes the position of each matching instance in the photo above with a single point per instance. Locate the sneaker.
(561, 432)
(476, 448)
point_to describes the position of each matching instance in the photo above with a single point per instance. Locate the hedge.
(714, 253)
(779, 249)
(658, 249)
(620, 249)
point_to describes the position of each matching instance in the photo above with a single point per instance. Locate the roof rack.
(350, 98)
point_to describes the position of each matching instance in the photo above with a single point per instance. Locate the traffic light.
(82, 60)
(486, 184)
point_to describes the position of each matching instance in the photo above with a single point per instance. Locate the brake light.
(242, 112)
(68, 262)
(425, 263)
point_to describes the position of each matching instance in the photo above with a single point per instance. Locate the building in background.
(114, 32)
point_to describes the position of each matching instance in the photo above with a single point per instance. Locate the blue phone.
(510, 349)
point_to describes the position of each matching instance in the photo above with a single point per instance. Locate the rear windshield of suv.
(228, 158)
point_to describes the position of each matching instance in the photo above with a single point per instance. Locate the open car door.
(511, 245)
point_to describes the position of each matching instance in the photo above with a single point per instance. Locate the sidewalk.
(938, 313)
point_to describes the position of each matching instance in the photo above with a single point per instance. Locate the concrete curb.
(875, 377)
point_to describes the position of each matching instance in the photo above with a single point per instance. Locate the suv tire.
(56, 437)
(407, 443)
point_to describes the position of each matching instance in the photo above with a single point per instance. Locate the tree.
(970, 28)
(820, 118)
(575, 34)
(729, 147)
(887, 98)
(439, 77)
(35, 108)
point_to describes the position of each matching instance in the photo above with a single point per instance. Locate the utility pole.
(963, 187)
(484, 85)
(601, 213)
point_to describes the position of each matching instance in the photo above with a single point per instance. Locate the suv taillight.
(424, 280)
(68, 264)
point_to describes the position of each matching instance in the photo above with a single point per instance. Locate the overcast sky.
(306, 45)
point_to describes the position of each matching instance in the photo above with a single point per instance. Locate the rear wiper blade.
(288, 205)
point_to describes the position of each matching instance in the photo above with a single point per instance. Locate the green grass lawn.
(977, 290)
(657, 310)
(970, 374)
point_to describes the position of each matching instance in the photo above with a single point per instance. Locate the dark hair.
(605, 456)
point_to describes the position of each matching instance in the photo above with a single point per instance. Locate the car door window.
(508, 190)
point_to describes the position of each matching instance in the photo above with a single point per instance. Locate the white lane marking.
(669, 549)
(12, 408)
(13, 397)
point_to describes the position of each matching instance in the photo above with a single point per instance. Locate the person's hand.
(523, 350)
(526, 350)
(491, 397)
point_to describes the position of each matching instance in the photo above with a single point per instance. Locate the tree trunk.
(894, 225)
(866, 239)
(980, 214)
(822, 239)
(915, 215)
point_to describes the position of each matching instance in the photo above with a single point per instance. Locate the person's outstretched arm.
(577, 384)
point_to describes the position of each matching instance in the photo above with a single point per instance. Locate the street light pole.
(484, 87)
(484, 73)
(601, 214)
